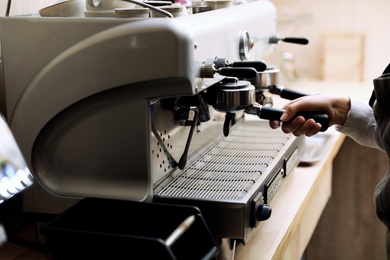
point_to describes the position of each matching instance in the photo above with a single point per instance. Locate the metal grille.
(228, 169)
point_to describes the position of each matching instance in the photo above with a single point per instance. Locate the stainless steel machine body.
(96, 105)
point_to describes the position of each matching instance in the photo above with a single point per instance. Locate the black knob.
(263, 212)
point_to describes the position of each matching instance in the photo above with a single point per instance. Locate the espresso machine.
(158, 110)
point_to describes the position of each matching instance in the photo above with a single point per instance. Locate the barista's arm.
(350, 116)
(361, 125)
(336, 107)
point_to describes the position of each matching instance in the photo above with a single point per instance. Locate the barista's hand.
(336, 107)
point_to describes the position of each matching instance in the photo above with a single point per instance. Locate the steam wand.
(183, 159)
(195, 120)
(8, 8)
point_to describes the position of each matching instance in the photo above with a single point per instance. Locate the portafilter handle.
(286, 93)
(238, 69)
(208, 71)
(259, 66)
(291, 94)
(223, 63)
(238, 72)
(271, 113)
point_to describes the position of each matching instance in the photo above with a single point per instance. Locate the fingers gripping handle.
(271, 113)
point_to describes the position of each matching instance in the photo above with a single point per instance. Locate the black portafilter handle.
(257, 65)
(296, 40)
(240, 72)
(286, 93)
(271, 113)
(291, 94)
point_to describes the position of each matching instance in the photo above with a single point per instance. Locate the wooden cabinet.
(348, 227)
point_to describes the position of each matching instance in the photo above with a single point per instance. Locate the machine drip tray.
(115, 229)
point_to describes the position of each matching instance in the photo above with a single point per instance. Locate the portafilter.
(232, 95)
(268, 81)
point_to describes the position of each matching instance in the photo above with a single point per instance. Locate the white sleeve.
(361, 125)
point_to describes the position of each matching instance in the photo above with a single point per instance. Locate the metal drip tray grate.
(231, 166)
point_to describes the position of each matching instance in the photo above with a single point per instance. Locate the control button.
(263, 212)
(259, 210)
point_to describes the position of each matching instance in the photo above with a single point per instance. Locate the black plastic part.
(230, 120)
(291, 94)
(115, 229)
(259, 210)
(302, 41)
(271, 113)
(258, 65)
(264, 212)
(181, 114)
(240, 72)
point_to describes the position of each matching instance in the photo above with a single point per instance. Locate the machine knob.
(259, 211)
(263, 212)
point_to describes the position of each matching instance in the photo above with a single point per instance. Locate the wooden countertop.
(300, 200)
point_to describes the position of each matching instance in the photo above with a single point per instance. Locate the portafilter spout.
(230, 96)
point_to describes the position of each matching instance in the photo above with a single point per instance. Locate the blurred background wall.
(347, 37)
